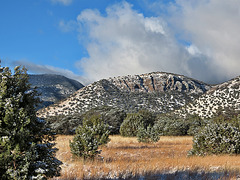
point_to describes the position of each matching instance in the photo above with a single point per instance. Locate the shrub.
(172, 125)
(66, 124)
(92, 134)
(148, 135)
(112, 116)
(26, 148)
(216, 138)
(134, 121)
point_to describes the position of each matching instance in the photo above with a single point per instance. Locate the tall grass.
(125, 157)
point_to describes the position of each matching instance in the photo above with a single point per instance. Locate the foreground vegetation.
(26, 142)
(125, 157)
(27, 149)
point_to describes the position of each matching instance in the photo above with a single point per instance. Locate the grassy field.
(126, 158)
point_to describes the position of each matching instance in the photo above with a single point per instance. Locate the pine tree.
(148, 135)
(89, 136)
(26, 148)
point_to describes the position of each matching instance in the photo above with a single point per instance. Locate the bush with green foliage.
(26, 148)
(148, 135)
(134, 121)
(171, 125)
(216, 138)
(66, 124)
(89, 136)
(112, 116)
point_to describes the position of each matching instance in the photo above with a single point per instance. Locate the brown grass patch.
(125, 157)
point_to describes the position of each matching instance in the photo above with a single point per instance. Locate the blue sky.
(90, 40)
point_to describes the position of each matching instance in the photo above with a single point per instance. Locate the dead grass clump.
(126, 158)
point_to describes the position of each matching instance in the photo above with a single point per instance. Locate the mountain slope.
(221, 97)
(158, 92)
(53, 87)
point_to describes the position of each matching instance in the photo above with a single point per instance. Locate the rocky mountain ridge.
(53, 88)
(159, 81)
(158, 92)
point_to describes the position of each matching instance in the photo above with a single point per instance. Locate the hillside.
(53, 88)
(222, 97)
(158, 92)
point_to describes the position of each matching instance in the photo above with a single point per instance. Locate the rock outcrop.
(158, 92)
(161, 82)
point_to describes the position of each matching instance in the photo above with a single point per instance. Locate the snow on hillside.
(223, 96)
(158, 92)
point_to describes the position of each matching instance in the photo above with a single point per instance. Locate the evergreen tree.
(216, 138)
(26, 148)
(89, 136)
(134, 121)
(148, 135)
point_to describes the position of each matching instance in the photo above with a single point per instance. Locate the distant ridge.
(53, 88)
(159, 92)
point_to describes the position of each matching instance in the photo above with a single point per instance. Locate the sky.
(89, 40)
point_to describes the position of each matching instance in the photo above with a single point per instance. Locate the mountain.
(158, 92)
(223, 97)
(53, 88)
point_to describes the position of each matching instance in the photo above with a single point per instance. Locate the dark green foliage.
(227, 115)
(219, 135)
(111, 116)
(148, 135)
(216, 138)
(134, 121)
(92, 134)
(66, 124)
(26, 148)
(171, 125)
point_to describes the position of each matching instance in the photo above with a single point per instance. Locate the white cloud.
(125, 42)
(64, 2)
(193, 50)
(213, 26)
(46, 69)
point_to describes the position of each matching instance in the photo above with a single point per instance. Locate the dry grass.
(125, 157)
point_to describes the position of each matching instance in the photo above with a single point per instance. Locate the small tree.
(134, 121)
(216, 138)
(148, 135)
(26, 148)
(92, 134)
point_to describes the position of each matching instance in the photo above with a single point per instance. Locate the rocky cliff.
(160, 82)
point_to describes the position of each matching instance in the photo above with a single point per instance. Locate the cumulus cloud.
(124, 41)
(46, 69)
(64, 2)
(213, 27)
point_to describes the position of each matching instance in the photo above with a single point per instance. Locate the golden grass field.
(127, 158)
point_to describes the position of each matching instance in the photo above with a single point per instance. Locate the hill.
(158, 92)
(223, 97)
(53, 88)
